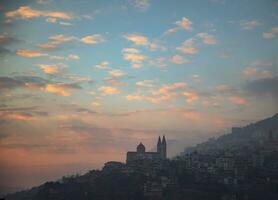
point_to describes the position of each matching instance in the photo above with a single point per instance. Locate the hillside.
(251, 136)
(197, 176)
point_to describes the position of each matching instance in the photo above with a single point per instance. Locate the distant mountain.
(253, 135)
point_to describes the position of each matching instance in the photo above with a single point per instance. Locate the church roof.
(140, 145)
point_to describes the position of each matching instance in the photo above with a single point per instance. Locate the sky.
(83, 82)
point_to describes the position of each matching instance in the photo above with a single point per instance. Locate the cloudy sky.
(82, 82)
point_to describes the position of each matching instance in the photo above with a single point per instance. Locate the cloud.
(166, 92)
(108, 90)
(116, 73)
(29, 53)
(38, 83)
(73, 57)
(65, 24)
(63, 89)
(207, 38)
(92, 39)
(103, 65)
(137, 39)
(191, 96)
(7, 83)
(156, 46)
(51, 20)
(159, 62)
(78, 79)
(21, 116)
(233, 95)
(177, 59)
(131, 97)
(59, 39)
(249, 25)
(49, 69)
(141, 40)
(134, 56)
(255, 73)
(21, 113)
(26, 12)
(271, 34)
(141, 5)
(145, 83)
(131, 50)
(54, 21)
(69, 57)
(184, 23)
(238, 100)
(263, 87)
(6, 39)
(47, 46)
(188, 47)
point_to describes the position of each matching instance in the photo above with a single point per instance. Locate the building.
(141, 155)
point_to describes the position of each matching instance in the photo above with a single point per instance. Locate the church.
(141, 154)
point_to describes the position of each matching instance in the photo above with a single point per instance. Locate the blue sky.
(82, 82)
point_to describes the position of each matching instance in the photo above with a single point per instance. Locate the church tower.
(164, 148)
(158, 146)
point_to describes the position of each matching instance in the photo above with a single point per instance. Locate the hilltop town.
(240, 165)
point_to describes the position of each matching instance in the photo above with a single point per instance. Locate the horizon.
(84, 82)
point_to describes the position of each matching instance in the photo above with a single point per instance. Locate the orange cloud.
(58, 39)
(131, 50)
(116, 73)
(47, 46)
(134, 56)
(26, 12)
(60, 89)
(238, 100)
(184, 23)
(207, 38)
(49, 69)
(187, 47)
(107, 90)
(137, 39)
(92, 39)
(103, 65)
(145, 83)
(177, 59)
(191, 96)
(20, 116)
(29, 53)
(131, 97)
(164, 93)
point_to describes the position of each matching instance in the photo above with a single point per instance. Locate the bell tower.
(158, 146)
(164, 148)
